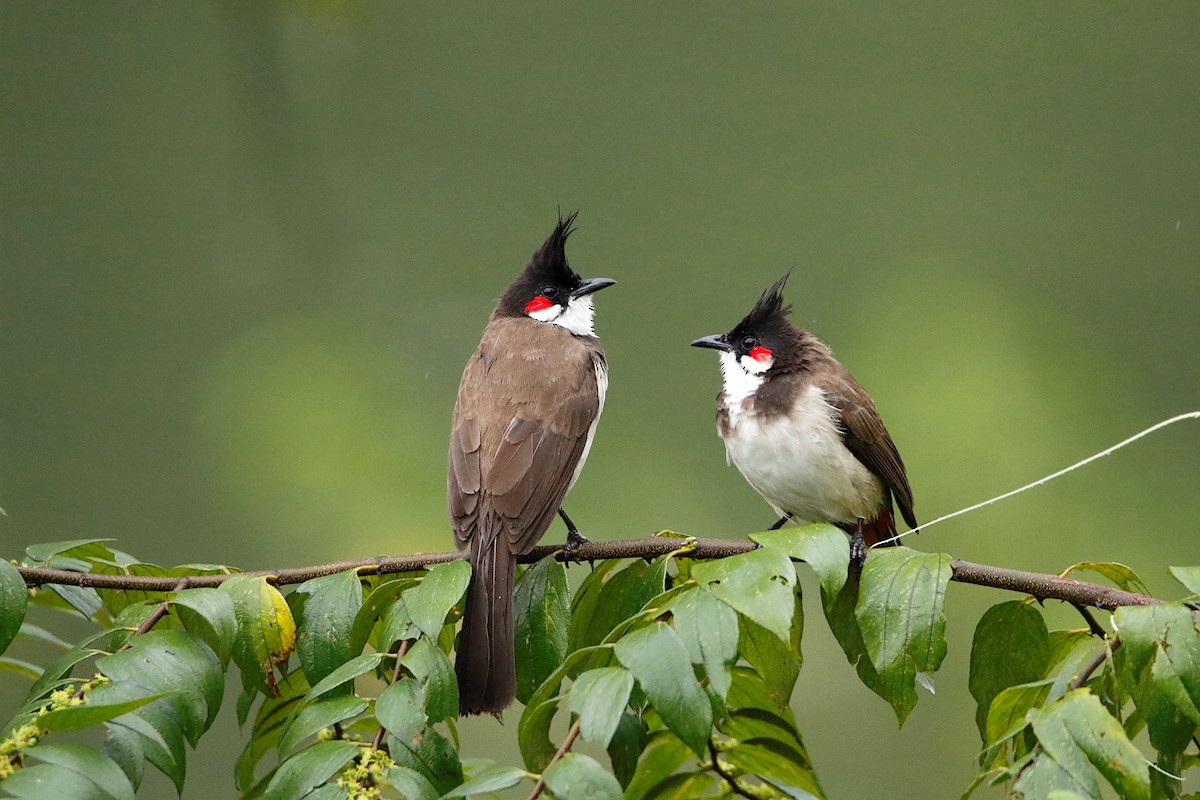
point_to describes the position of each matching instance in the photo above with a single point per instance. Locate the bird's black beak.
(717, 341)
(590, 285)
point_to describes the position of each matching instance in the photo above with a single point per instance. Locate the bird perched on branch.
(802, 431)
(527, 408)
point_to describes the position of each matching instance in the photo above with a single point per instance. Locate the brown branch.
(1040, 585)
(1101, 657)
(1094, 627)
(725, 775)
(540, 786)
(377, 742)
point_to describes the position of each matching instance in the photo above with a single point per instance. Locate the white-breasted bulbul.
(802, 431)
(527, 408)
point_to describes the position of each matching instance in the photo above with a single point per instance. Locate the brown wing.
(525, 405)
(866, 437)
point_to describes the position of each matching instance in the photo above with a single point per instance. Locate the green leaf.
(609, 597)
(83, 600)
(1011, 647)
(159, 735)
(776, 661)
(662, 757)
(359, 665)
(75, 548)
(269, 721)
(91, 713)
(330, 604)
(309, 768)
(577, 775)
(383, 596)
(599, 697)
(266, 629)
(429, 602)
(433, 671)
(208, 614)
(117, 600)
(686, 786)
(1079, 723)
(541, 615)
(38, 632)
(774, 760)
(709, 631)
(400, 708)
(1188, 576)
(14, 598)
(430, 755)
(902, 618)
(533, 730)
(626, 746)
(758, 585)
(88, 763)
(823, 547)
(411, 784)
(1121, 576)
(171, 662)
(659, 661)
(43, 781)
(493, 780)
(23, 668)
(124, 747)
(1009, 710)
(316, 717)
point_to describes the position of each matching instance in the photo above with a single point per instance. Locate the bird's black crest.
(548, 266)
(769, 313)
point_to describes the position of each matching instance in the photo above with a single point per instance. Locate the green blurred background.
(246, 248)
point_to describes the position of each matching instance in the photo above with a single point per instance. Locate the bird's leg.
(858, 545)
(780, 522)
(574, 537)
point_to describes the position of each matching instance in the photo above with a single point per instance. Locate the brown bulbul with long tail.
(802, 431)
(527, 408)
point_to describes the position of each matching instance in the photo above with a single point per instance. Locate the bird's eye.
(549, 292)
(748, 343)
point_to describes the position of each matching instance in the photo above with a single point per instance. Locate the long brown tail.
(486, 661)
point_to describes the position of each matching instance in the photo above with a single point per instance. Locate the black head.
(548, 282)
(764, 335)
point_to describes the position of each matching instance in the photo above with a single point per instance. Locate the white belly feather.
(799, 464)
(602, 389)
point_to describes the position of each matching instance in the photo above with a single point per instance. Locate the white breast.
(798, 462)
(602, 389)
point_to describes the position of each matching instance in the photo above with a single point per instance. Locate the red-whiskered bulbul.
(526, 413)
(802, 431)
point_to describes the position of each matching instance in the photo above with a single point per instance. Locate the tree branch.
(540, 786)
(1040, 585)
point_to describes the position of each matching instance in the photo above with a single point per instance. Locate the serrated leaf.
(577, 775)
(659, 661)
(172, 662)
(400, 708)
(1122, 577)
(208, 614)
(823, 547)
(14, 598)
(1079, 723)
(309, 768)
(330, 605)
(315, 717)
(709, 631)
(610, 596)
(431, 755)
(901, 615)
(266, 630)
(91, 713)
(599, 697)
(1188, 576)
(1011, 646)
(431, 668)
(429, 602)
(493, 780)
(759, 585)
(88, 763)
(541, 616)
(662, 757)
(359, 665)
(42, 781)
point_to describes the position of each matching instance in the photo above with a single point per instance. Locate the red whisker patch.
(760, 353)
(537, 304)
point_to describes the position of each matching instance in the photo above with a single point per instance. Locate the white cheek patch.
(548, 314)
(577, 317)
(756, 366)
(740, 382)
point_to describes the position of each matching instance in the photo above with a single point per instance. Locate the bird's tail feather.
(486, 662)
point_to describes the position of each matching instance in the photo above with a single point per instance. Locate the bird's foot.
(779, 523)
(858, 550)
